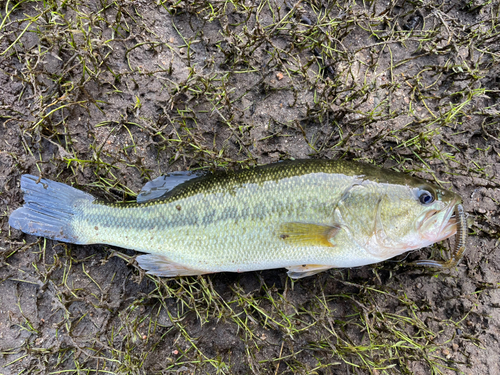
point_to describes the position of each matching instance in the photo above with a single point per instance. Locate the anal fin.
(297, 272)
(307, 234)
(160, 265)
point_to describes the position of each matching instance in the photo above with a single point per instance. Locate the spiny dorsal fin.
(306, 234)
(162, 186)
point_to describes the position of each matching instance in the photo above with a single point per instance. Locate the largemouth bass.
(306, 215)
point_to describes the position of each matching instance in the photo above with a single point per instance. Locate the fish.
(307, 216)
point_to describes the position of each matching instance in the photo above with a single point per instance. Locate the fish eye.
(425, 197)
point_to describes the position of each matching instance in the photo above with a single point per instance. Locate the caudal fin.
(49, 209)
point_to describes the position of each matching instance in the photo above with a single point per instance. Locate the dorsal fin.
(160, 187)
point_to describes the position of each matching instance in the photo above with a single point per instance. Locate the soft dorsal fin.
(161, 186)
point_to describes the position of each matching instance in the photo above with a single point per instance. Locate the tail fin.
(49, 209)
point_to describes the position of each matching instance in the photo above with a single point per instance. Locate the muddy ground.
(108, 95)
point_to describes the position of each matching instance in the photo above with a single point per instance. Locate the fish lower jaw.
(384, 252)
(448, 231)
(391, 249)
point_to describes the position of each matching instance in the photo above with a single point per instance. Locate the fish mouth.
(456, 223)
(440, 224)
(449, 224)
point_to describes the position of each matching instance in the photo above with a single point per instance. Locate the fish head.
(412, 216)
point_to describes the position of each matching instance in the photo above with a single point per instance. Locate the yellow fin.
(305, 234)
(297, 272)
(160, 265)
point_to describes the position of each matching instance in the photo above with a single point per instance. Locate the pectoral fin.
(160, 265)
(297, 272)
(305, 234)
